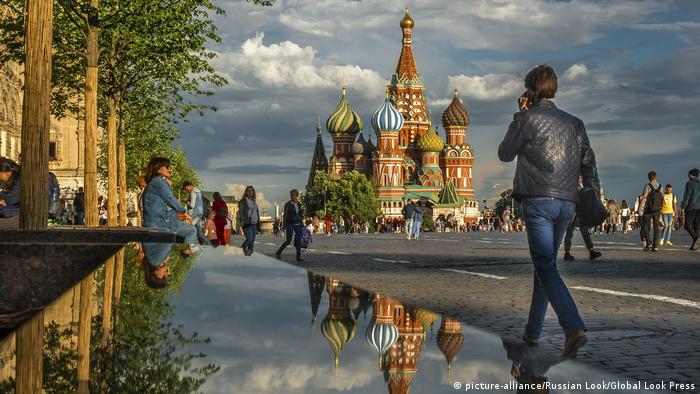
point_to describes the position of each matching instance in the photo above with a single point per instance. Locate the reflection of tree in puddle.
(144, 353)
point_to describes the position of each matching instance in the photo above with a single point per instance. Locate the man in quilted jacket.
(552, 148)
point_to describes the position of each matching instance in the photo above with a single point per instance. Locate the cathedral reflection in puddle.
(227, 323)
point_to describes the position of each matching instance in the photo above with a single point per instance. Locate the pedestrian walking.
(407, 213)
(328, 223)
(585, 234)
(417, 221)
(624, 215)
(652, 200)
(690, 207)
(613, 214)
(669, 213)
(195, 205)
(248, 219)
(220, 217)
(293, 223)
(553, 149)
(79, 205)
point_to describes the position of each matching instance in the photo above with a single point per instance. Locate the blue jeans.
(250, 232)
(200, 233)
(416, 228)
(409, 227)
(188, 232)
(668, 221)
(80, 217)
(292, 230)
(546, 220)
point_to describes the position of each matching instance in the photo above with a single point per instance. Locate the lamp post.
(325, 190)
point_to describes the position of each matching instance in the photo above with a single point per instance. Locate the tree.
(351, 194)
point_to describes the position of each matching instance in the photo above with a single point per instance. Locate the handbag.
(590, 210)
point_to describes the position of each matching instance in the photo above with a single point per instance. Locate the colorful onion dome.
(381, 336)
(407, 22)
(387, 117)
(455, 114)
(426, 317)
(344, 120)
(450, 339)
(359, 146)
(430, 142)
(338, 332)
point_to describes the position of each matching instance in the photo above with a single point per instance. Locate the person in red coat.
(328, 219)
(220, 209)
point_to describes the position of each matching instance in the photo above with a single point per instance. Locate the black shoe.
(573, 343)
(568, 257)
(278, 255)
(300, 259)
(594, 254)
(647, 248)
(654, 249)
(694, 245)
(530, 341)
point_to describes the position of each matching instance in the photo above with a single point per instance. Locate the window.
(53, 155)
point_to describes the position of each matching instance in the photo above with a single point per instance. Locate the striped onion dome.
(455, 114)
(430, 142)
(338, 332)
(450, 340)
(344, 120)
(426, 317)
(387, 117)
(359, 146)
(381, 336)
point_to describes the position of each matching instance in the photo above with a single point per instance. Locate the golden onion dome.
(344, 120)
(407, 21)
(431, 142)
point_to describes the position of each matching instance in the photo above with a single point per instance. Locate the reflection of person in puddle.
(529, 366)
(153, 258)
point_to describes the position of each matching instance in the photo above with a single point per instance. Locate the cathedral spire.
(406, 70)
(319, 161)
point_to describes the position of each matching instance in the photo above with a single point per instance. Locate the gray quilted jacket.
(552, 149)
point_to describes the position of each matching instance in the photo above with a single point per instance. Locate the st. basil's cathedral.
(410, 161)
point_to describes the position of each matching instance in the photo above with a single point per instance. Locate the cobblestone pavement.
(642, 309)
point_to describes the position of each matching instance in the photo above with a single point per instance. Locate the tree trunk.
(30, 355)
(113, 220)
(36, 116)
(122, 221)
(34, 203)
(91, 208)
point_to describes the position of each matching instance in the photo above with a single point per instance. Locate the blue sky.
(628, 69)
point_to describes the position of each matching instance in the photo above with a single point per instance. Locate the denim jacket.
(196, 205)
(160, 207)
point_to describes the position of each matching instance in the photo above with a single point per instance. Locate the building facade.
(411, 161)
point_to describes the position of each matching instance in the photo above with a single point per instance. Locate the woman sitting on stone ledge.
(9, 193)
(161, 209)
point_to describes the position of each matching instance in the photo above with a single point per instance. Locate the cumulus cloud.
(289, 65)
(490, 87)
(575, 71)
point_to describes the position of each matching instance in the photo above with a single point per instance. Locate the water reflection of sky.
(257, 313)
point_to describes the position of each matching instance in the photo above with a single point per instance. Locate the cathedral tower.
(319, 161)
(458, 159)
(387, 122)
(343, 125)
(407, 92)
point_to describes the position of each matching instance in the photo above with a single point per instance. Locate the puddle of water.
(253, 325)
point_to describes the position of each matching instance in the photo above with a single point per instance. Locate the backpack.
(206, 206)
(655, 199)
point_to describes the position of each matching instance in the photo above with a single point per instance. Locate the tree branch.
(11, 7)
(70, 9)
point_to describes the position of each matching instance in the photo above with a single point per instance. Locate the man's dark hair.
(694, 172)
(669, 186)
(651, 175)
(542, 80)
(186, 183)
(80, 189)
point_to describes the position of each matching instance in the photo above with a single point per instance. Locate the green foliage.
(350, 194)
(428, 223)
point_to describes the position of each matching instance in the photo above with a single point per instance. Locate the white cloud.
(575, 71)
(490, 87)
(289, 65)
